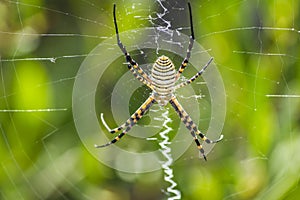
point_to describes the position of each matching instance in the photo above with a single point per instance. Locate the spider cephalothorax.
(162, 83)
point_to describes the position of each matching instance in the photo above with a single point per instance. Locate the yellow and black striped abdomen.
(163, 78)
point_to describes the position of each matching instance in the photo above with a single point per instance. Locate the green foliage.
(255, 45)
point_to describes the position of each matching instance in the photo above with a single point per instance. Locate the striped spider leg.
(191, 43)
(191, 126)
(130, 122)
(132, 65)
(162, 83)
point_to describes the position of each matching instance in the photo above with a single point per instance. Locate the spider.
(162, 83)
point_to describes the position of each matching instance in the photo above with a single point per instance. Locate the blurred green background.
(256, 48)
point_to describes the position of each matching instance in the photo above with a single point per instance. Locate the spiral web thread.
(166, 165)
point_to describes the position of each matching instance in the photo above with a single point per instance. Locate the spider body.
(162, 83)
(163, 78)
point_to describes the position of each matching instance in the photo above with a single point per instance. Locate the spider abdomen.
(163, 79)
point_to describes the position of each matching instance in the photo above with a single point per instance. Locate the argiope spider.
(162, 83)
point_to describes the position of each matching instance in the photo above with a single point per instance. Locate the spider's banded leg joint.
(200, 147)
(116, 130)
(129, 59)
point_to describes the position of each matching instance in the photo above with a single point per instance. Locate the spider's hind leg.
(191, 126)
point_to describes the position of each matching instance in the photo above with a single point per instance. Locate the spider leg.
(135, 117)
(140, 78)
(195, 76)
(123, 125)
(191, 43)
(132, 63)
(191, 126)
(112, 130)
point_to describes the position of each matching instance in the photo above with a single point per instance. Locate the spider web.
(255, 48)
